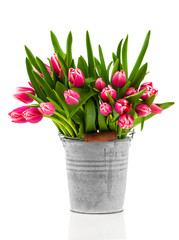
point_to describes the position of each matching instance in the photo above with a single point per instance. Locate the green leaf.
(123, 90)
(83, 66)
(45, 73)
(103, 67)
(102, 123)
(69, 50)
(119, 54)
(149, 100)
(124, 57)
(98, 66)
(63, 65)
(89, 80)
(139, 76)
(165, 105)
(115, 68)
(63, 123)
(82, 100)
(72, 65)
(136, 96)
(161, 105)
(109, 66)
(33, 81)
(59, 91)
(47, 89)
(70, 123)
(32, 59)
(56, 45)
(35, 98)
(90, 55)
(90, 116)
(112, 125)
(140, 57)
(114, 57)
(142, 123)
(111, 100)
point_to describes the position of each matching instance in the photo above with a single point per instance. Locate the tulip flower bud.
(130, 91)
(150, 90)
(155, 109)
(100, 84)
(122, 106)
(16, 115)
(71, 97)
(119, 79)
(125, 121)
(142, 110)
(47, 108)
(22, 96)
(56, 65)
(32, 115)
(76, 77)
(111, 92)
(105, 109)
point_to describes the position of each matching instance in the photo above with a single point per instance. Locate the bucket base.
(98, 213)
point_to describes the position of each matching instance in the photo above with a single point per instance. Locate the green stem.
(67, 127)
(69, 122)
(119, 132)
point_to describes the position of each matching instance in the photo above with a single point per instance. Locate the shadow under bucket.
(96, 174)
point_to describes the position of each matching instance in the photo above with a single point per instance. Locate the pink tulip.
(122, 106)
(22, 96)
(100, 84)
(142, 110)
(32, 115)
(16, 115)
(126, 121)
(105, 109)
(48, 68)
(56, 65)
(155, 109)
(111, 92)
(71, 97)
(119, 79)
(150, 90)
(47, 108)
(76, 77)
(130, 91)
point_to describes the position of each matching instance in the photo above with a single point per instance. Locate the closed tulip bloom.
(111, 92)
(47, 108)
(150, 90)
(56, 65)
(130, 91)
(125, 121)
(122, 106)
(119, 79)
(100, 84)
(142, 110)
(71, 97)
(16, 115)
(105, 109)
(22, 96)
(155, 109)
(76, 77)
(32, 115)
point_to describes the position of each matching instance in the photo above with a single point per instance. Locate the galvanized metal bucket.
(96, 174)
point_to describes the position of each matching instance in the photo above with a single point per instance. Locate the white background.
(33, 186)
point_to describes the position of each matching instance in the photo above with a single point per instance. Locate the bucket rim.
(129, 137)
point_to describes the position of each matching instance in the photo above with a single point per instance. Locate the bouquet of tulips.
(88, 97)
